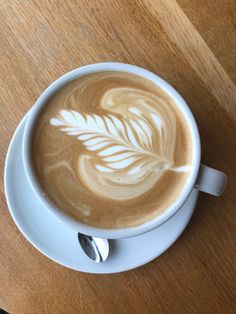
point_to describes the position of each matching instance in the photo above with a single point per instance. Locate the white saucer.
(57, 241)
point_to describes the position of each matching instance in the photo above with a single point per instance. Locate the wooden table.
(191, 44)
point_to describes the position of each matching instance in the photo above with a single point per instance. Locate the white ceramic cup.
(202, 177)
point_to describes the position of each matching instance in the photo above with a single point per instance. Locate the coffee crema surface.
(112, 150)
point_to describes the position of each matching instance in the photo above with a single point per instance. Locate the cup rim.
(50, 205)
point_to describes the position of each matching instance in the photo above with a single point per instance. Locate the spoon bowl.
(97, 249)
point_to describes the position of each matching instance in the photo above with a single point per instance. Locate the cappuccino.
(112, 150)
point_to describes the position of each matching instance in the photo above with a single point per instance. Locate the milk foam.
(129, 148)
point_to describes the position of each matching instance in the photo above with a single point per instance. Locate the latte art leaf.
(127, 149)
(119, 143)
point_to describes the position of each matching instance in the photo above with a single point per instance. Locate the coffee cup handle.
(211, 181)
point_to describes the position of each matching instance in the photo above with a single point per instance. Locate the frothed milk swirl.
(112, 149)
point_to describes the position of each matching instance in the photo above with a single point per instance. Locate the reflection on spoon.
(96, 249)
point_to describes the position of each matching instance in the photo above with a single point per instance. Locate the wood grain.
(191, 44)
